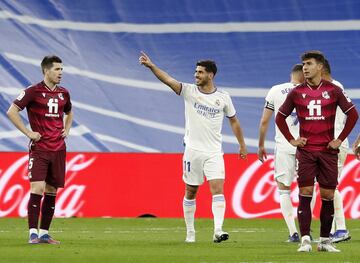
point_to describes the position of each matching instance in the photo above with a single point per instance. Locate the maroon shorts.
(319, 165)
(48, 166)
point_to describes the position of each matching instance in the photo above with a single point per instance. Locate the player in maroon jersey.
(315, 102)
(49, 112)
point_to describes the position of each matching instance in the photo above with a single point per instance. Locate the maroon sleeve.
(68, 105)
(288, 106)
(283, 127)
(352, 117)
(26, 96)
(284, 111)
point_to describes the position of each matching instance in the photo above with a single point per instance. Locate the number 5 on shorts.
(31, 162)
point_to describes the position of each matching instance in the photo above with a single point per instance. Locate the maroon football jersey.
(316, 110)
(46, 110)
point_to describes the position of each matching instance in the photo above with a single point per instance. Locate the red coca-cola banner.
(131, 185)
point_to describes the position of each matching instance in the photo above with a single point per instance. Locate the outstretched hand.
(145, 60)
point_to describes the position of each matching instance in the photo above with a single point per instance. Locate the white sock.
(287, 210)
(189, 207)
(339, 218)
(218, 210)
(43, 232)
(33, 231)
(313, 200)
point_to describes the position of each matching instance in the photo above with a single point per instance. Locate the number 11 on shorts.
(187, 164)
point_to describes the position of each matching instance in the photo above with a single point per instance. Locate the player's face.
(202, 77)
(311, 68)
(54, 74)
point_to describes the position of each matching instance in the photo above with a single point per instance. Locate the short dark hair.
(316, 54)
(209, 65)
(296, 68)
(327, 67)
(48, 61)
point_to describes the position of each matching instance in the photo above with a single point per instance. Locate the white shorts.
(285, 172)
(198, 164)
(341, 159)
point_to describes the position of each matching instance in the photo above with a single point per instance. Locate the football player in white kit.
(338, 232)
(356, 147)
(205, 108)
(284, 173)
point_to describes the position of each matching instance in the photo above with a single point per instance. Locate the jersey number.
(53, 105)
(187, 165)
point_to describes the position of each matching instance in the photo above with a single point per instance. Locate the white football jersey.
(204, 114)
(274, 99)
(340, 118)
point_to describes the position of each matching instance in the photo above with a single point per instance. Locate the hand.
(334, 144)
(299, 142)
(262, 155)
(64, 133)
(243, 153)
(34, 136)
(145, 60)
(356, 150)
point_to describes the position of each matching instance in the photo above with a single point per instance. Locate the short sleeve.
(269, 100)
(229, 108)
(186, 90)
(288, 105)
(24, 99)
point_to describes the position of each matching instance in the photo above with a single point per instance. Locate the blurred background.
(120, 106)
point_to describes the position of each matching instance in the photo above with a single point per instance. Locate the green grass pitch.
(162, 240)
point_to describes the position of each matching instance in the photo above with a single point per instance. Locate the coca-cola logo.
(15, 192)
(256, 195)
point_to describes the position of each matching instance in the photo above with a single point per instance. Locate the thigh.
(341, 159)
(307, 167)
(284, 168)
(214, 167)
(328, 170)
(56, 174)
(38, 165)
(193, 167)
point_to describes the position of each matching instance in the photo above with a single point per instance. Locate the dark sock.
(304, 214)
(47, 210)
(326, 217)
(34, 210)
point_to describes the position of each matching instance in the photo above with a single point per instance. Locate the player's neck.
(314, 82)
(208, 88)
(50, 84)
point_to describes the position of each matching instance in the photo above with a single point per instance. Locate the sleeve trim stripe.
(349, 109)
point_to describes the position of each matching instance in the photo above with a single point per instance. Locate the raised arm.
(14, 116)
(160, 74)
(235, 126)
(263, 127)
